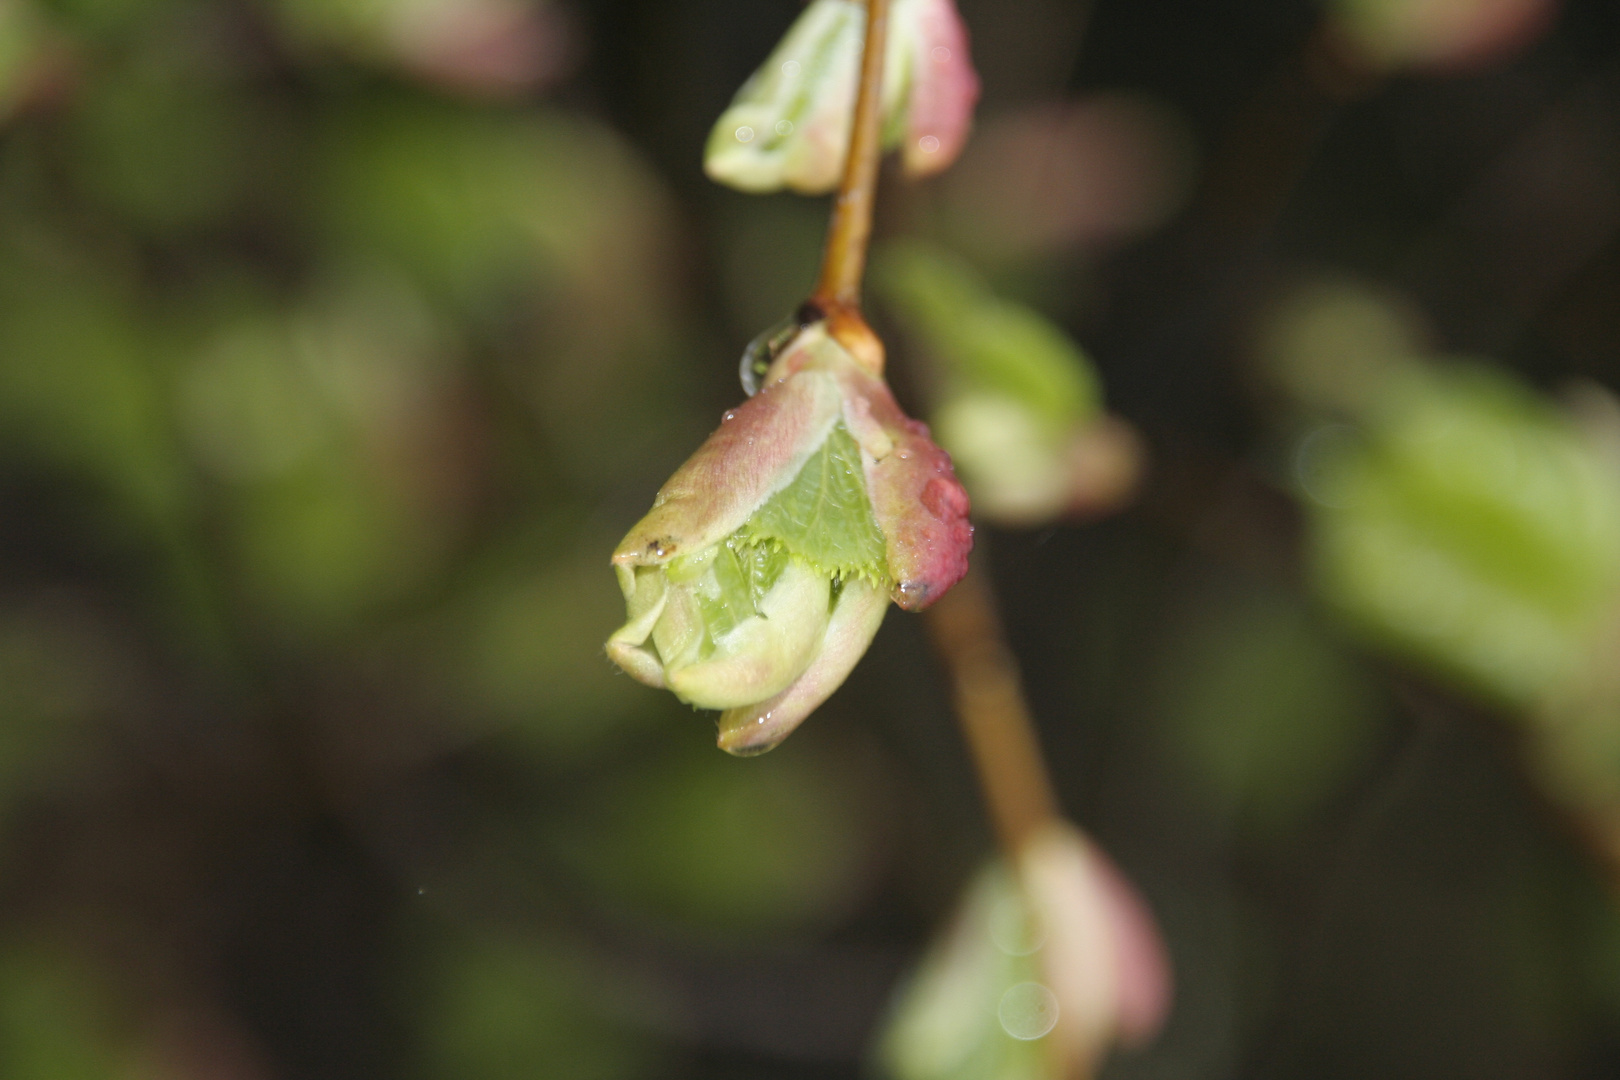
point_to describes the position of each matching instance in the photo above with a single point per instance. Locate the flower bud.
(766, 565)
(1047, 964)
(789, 125)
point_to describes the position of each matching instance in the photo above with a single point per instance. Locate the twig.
(989, 698)
(843, 262)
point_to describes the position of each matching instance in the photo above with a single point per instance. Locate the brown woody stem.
(989, 698)
(843, 264)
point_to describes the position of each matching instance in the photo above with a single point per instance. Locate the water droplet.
(905, 455)
(790, 68)
(941, 54)
(784, 127)
(731, 414)
(1014, 929)
(763, 351)
(745, 134)
(928, 143)
(1028, 1011)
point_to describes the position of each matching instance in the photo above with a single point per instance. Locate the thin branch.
(843, 262)
(989, 698)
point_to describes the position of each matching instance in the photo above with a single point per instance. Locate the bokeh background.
(340, 340)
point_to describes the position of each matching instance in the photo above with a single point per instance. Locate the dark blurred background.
(340, 340)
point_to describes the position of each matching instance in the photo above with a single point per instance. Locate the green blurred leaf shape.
(1265, 708)
(55, 1018)
(984, 343)
(477, 203)
(1334, 344)
(825, 515)
(536, 222)
(78, 386)
(170, 147)
(521, 645)
(363, 26)
(294, 407)
(55, 676)
(108, 20)
(513, 1009)
(725, 849)
(946, 1023)
(22, 44)
(1475, 530)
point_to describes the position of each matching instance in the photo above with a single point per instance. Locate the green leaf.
(825, 515)
(744, 572)
(983, 342)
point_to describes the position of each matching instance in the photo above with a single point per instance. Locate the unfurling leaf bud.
(789, 125)
(767, 562)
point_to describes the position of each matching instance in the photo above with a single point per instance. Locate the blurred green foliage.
(497, 1007)
(1475, 526)
(339, 341)
(1264, 707)
(1012, 391)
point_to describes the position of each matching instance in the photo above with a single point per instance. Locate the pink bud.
(944, 86)
(1103, 957)
(789, 125)
(763, 570)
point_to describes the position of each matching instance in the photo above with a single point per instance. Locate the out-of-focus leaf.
(513, 1008)
(520, 648)
(56, 1017)
(1018, 403)
(326, 423)
(170, 147)
(1262, 706)
(78, 387)
(1472, 527)
(1438, 34)
(495, 47)
(543, 228)
(1334, 345)
(478, 203)
(1058, 176)
(984, 342)
(24, 41)
(727, 849)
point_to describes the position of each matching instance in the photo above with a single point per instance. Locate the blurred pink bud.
(763, 570)
(1102, 956)
(1439, 34)
(1060, 175)
(944, 88)
(1042, 970)
(789, 125)
(492, 48)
